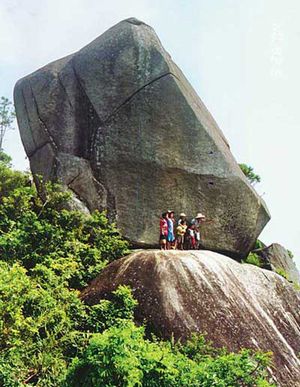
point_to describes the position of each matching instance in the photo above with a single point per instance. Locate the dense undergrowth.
(48, 337)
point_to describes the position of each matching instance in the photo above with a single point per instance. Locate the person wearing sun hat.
(182, 217)
(197, 221)
(199, 218)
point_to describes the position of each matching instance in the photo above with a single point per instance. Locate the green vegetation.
(248, 171)
(48, 337)
(259, 245)
(296, 286)
(35, 231)
(282, 272)
(7, 116)
(122, 356)
(253, 259)
(291, 255)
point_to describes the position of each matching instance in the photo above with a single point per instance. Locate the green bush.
(35, 231)
(43, 324)
(45, 252)
(253, 259)
(108, 313)
(122, 356)
(259, 244)
(37, 315)
(10, 179)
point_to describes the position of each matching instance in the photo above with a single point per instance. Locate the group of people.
(179, 234)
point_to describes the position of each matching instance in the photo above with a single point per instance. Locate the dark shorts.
(162, 237)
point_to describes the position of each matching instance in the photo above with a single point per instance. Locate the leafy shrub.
(122, 356)
(258, 244)
(9, 179)
(36, 316)
(43, 324)
(253, 259)
(35, 231)
(110, 312)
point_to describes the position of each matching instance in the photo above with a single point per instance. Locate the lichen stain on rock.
(237, 305)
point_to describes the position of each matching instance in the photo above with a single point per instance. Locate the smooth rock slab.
(238, 305)
(146, 139)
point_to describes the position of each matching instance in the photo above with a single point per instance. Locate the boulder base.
(119, 124)
(238, 305)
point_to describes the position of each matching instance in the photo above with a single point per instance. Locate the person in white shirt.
(198, 221)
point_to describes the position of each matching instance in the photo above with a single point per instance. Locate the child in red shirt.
(163, 231)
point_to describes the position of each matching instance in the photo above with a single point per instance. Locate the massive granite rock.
(238, 305)
(275, 257)
(118, 123)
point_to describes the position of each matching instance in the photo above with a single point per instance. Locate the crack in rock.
(28, 118)
(128, 99)
(43, 125)
(31, 154)
(65, 91)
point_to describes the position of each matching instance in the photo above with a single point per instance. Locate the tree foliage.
(37, 322)
(122, 356)
(35, 231)
(7, 116)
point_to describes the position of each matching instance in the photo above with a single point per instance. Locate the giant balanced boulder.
(237, 305)
(119, 125)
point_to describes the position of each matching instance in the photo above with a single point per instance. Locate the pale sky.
(241, 56)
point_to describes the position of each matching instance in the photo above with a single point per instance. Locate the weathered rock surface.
(119, 124)
(238, 305)
(276, 257)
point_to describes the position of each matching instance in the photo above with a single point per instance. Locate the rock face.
(276, 257)
(238, 305)
(118, 123)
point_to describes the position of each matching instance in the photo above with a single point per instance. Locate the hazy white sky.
(241, 56)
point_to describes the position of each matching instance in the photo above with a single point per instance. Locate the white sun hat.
(200, 216)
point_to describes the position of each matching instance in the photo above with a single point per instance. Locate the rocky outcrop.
(119, 124)
(238, 305)
(277, 258)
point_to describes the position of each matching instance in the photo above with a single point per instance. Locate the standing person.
(182, 217)
(198, 221)
(163, 231)
(170, 237)
(180, 232)
(190, 237)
